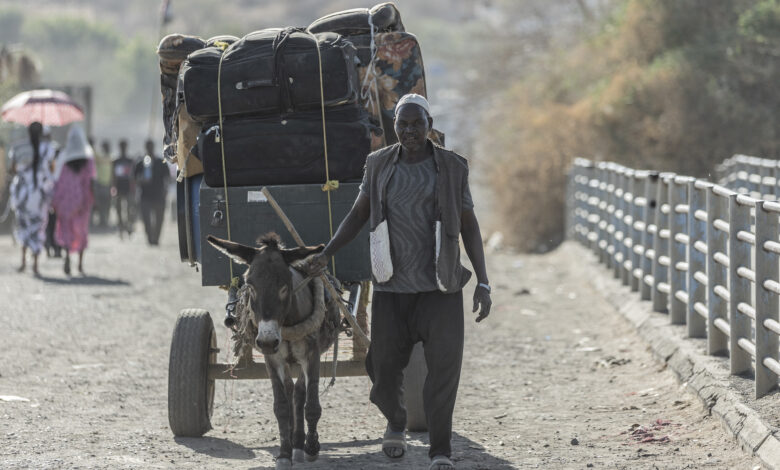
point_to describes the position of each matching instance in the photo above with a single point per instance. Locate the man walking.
(416, 196)
(152, 175)
(102, 182)
(123, 190)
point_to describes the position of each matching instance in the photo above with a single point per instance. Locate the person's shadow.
(85, 280)
(216, 447)
(367, 454)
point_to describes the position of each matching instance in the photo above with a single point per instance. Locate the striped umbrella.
(49, 107)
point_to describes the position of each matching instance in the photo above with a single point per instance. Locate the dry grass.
(665, 85)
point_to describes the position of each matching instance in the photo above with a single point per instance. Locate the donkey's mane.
(271, 240)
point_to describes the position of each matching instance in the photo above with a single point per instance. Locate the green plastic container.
(251, 215)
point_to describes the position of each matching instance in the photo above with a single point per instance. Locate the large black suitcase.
(287, 150)
(270, 72)
(384, 17)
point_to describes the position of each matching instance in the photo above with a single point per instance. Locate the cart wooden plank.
(257, 370)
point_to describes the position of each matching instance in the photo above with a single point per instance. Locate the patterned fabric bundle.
(396, 69)
(31, 191)
(391, 63)
(180, 130)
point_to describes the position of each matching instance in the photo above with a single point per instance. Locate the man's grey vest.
(452, 178)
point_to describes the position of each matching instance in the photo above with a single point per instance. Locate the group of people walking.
(67, 183)
(133, 183)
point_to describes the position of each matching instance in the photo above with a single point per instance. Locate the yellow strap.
(233, 279)
(221, 44)
(329, 185)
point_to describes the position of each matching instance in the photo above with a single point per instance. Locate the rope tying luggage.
(329, 185)
(234, 281)
(369, 88)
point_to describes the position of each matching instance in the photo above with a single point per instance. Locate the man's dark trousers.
(398, 321)
(153, 212)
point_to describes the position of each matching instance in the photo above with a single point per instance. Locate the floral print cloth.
(30, 201)
(399, 70)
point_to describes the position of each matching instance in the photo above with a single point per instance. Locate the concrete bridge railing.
(707, 254)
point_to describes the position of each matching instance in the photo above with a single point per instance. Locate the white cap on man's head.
(414, 98)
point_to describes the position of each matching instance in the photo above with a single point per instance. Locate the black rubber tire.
(414, 379)
(190, 392)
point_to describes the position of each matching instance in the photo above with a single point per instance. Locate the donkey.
(291, 329)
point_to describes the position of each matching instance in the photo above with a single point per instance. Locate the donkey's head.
(269, 281)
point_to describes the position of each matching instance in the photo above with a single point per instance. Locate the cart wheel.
(190, 391)
(414, 379)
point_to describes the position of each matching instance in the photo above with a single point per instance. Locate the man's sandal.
(441, 462)
(392, 442)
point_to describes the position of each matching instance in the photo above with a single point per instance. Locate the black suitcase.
(270, 72)
(287, 150)
(362, 43)
(384, 17)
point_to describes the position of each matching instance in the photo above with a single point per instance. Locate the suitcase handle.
(245, 85)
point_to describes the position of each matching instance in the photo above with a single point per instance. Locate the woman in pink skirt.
(73, 196)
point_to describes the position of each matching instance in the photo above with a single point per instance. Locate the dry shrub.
(674, 85)
(529, 181)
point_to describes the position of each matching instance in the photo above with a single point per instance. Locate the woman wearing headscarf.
(73, 196)
(31, 190)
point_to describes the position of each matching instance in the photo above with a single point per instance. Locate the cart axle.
(257, 370)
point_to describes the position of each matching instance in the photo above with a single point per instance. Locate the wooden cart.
(193, 365)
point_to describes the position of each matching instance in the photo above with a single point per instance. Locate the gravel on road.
(554, 378)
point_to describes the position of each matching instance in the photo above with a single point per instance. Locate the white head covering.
(414, 98)
(77, 146)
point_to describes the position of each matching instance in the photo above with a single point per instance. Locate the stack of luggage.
(254, 106)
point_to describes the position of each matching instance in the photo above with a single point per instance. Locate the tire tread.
(188, 406)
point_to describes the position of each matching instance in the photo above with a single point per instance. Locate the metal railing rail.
(707, 254)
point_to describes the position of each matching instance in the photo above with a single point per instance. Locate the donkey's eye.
(283, 292)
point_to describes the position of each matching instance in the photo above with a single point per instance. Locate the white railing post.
(603, 243)
(679, 241)
(648, 217)
(581, 201)
(637, 230)
(739, 284)
(619, 214)
(776, 184)
(661, 262)
(754, 181)
(697, 257)
(612, 220)
(725, 171)
(717, 274)
(593, 210)
(742, 176)
(570, 205)
(765, 171)
(627, 226)
(583, 211)
(767, 303)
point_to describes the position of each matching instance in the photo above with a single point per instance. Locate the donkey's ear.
(294, 254)
(240, 253)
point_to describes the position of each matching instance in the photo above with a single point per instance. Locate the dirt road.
(553, 379)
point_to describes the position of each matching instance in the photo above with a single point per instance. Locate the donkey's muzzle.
(268, 347)
(269, 336)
